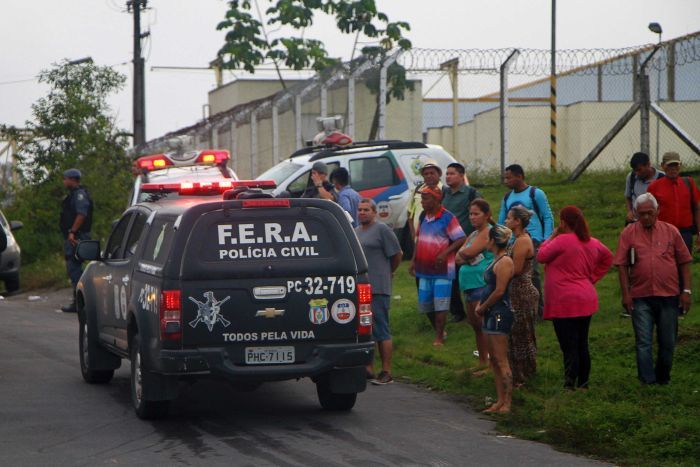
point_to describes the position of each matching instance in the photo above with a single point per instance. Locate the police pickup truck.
(242, 287)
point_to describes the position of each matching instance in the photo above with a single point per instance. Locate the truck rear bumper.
(218, 362)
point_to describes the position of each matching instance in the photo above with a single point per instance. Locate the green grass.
(47, 273)
(617, 419)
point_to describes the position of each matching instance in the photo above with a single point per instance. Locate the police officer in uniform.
(76, 221)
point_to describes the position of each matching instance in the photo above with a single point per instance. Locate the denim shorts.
(473, 295)
(380, 318)
(434, 295)
(498, 322)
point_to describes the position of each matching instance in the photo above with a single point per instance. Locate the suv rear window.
(280, 172)
(372, 172)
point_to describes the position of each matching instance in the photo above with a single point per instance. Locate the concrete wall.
(242, 91)
(404, 121)
(580, 127)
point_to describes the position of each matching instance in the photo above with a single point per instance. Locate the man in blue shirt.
(348, 198)
(541, 223)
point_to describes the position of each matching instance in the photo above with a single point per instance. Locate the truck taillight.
(364, 298)
(170, 315)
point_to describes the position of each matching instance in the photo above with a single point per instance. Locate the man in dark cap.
(75, 223)
(320, 187)
(348, 198)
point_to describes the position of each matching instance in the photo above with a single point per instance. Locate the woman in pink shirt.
(574, 262)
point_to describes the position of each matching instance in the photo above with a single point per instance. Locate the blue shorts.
(474, 295)
(380, 318)
(434, 295)
(498, 322)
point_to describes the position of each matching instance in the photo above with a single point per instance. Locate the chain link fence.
(595, 89)
(488, 108)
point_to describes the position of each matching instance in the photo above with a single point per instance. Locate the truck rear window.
(289, 241)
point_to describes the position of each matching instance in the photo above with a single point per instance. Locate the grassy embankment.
(617, 419)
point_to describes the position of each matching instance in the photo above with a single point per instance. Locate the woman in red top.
(574, 262)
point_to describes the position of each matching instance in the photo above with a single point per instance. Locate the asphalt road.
(49, 416)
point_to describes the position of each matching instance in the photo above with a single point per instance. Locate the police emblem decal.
(318, 310)
(209, 312)
(343, 311)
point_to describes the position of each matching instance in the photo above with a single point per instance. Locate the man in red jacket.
(678, 199)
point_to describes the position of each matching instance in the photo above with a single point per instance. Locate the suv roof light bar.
(205, 188)
(312, 149)
(146, 164)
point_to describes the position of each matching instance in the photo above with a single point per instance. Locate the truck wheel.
(87, 345)
(12, 283)
(145, 409)
(333, 401)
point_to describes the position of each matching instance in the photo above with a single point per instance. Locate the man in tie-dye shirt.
(438, 238)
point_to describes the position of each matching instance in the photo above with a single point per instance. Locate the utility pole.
(139, 103)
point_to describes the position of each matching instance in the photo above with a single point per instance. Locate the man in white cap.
(431, 173)
(75, 224)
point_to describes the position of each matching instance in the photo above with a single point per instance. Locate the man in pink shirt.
(649, 256)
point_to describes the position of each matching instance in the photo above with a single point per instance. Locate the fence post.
(351, 106)
(504, 106)
(452, 67)
(253, 144)
(644, 101)
(275, 134)
(214, 140)
(234, 146)
(324, 100)
(351, 95)
(381, 130)
(297, 121)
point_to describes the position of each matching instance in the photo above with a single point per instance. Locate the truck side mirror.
(15, 225)
(88, 250)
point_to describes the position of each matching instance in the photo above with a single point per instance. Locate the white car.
(201, 168)
(10, 256)
(386, 171)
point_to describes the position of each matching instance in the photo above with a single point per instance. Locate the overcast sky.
(36, 33)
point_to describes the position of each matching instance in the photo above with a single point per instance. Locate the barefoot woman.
(498, 315)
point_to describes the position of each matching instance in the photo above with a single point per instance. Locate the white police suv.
(386, 171)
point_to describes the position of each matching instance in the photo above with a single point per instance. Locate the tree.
(72, 126)
(248, 44)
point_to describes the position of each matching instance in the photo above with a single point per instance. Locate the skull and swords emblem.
(208, 312)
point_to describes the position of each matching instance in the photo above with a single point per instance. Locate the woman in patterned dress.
(524, 298)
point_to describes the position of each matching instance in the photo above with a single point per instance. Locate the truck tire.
(88, 345)
(12, 283)
(145, 409)
(333, 401)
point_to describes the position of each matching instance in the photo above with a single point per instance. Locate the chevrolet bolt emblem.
(269, 313)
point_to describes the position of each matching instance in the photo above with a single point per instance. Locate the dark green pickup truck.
(250, 290)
